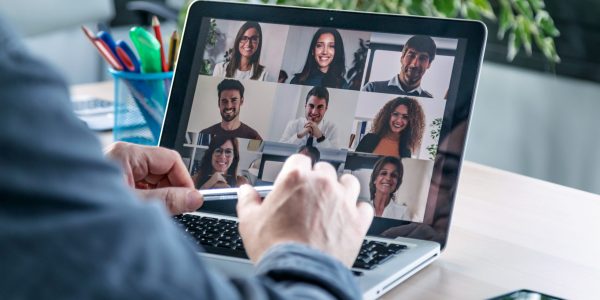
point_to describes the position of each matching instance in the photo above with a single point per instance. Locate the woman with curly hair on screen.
(397, 129)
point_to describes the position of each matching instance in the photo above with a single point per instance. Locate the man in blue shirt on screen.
(417, 55)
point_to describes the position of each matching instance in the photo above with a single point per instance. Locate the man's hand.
(303, 133)
(308, 206)
(314, 129)
(157, 173)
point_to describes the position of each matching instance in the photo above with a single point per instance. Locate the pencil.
(103, 49)
(156, 27)
(173, 44)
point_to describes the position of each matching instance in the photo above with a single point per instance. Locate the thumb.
(248, 199)
(177, 199)
(365, 215)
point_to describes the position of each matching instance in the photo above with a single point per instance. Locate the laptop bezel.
(458, 109)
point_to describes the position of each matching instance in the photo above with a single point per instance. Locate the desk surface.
(508, 232)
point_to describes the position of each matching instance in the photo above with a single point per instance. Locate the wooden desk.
(508, 232)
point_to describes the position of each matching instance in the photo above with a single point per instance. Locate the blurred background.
(532, 115)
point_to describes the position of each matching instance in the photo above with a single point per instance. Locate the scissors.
(126, 55)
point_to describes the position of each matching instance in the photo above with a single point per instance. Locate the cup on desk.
(140, 104)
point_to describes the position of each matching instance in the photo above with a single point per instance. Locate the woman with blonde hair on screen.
(385, 181)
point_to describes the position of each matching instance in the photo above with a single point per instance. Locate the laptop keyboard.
(220, 236)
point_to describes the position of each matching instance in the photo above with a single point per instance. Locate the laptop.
(386, 98)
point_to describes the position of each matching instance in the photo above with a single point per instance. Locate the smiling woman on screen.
(325, 61)
(245, 59)
(385, 181)
(397, 129)
(218, 168)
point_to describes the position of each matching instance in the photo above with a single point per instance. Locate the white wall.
(537, 124)
(255, 112)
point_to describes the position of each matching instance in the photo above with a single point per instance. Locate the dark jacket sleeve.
(71, 229)
(368, 143)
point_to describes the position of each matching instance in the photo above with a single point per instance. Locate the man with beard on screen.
(417, 55)
(230, 101)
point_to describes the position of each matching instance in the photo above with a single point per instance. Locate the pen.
(173, 46)
(103, 49)
(156, 27)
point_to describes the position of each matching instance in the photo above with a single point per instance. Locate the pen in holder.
(140, 104)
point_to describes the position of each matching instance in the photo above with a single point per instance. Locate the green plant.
(214, 36)
(525, 21)
(436, 127)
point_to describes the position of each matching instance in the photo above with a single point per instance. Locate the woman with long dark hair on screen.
(245, 58)
(218, 168)
(385, 181)
(397, 129)
(325, 61)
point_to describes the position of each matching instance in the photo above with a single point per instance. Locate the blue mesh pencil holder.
(140, 103)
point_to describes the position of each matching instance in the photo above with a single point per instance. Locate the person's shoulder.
(295, 79)
(219, 69)
(369, 135)
(405, 152)
(367, 143)
(427, 94)
(211, 129)
(375, 86)
(253, 134)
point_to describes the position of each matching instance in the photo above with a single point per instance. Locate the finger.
(351, 186)
(161, 161)
(326, 169)
(177, 199)
(128, 175)
(365, 215)
(248, 200)
(297, 162)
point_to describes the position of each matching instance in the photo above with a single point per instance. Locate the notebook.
(386, 98)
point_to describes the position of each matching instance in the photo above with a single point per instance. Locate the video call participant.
(312, 129)
(230, 100)
(417, 55)
(325, 61)
(245, 59)
(397, 129)
(385, 181)
(218, 168)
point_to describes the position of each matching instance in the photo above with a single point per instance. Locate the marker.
(148, 49)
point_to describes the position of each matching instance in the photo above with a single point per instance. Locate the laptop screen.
(371, 103)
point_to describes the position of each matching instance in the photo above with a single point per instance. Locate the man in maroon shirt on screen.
(231, 99)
